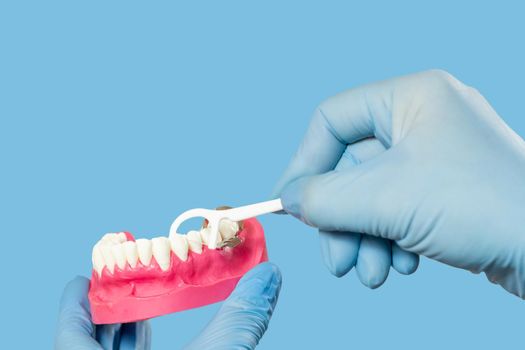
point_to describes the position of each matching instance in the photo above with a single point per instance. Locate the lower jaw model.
(138, 279)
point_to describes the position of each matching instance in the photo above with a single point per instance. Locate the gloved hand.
(240, 323)
(421, 160)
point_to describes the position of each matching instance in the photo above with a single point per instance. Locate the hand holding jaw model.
(134, 280)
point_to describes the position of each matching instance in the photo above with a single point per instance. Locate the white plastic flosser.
(214, 217)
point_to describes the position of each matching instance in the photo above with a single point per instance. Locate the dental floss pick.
(214, 217)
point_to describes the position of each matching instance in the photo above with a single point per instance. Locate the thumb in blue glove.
(243, 318)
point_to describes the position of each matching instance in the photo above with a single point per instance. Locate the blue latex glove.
(424, 161)
(240, 323)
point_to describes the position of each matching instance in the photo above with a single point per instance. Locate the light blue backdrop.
(118, 115)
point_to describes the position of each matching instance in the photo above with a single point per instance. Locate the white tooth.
(194, 241)
(205, 236)
(107, 236)
(179, 245)
(98, 259)
(205, 232)
(228, 228)
(144, 250)
(161, 251)
(118, 253)
(108, 256)
(110, 238)
(121, 237)
(130, 248)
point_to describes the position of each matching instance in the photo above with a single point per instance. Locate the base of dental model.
(138, 279)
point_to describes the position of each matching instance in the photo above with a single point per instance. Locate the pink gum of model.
(133, 294)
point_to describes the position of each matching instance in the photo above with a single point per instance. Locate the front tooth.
(98, 259)
(228, 228)
(179, 245)
(130, 249)
(107, 236)
(161, 251)
(144, 250)
(121, 237)
(205, 232)
(205, 236)
(108, 256)
(110, 238)
(118, 253)
(194, 241)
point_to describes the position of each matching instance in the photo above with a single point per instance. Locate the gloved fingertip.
(374, 279)
(407, 267)
(404, 262)
(79, 281)
(75, 291)
(373, 261)
(339, 251)
(327, 256)
(263, 280)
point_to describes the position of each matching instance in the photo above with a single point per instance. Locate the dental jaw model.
(138, 279)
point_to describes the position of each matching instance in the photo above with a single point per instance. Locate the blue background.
(120, 115)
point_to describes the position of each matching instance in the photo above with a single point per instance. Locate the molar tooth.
(98, 259)
(228, 228)
(194, 241)
(179, 245)
(161, 251)
(144, 250)
(130, 248)
(118, 253)
(108, 256)
(205, 236)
